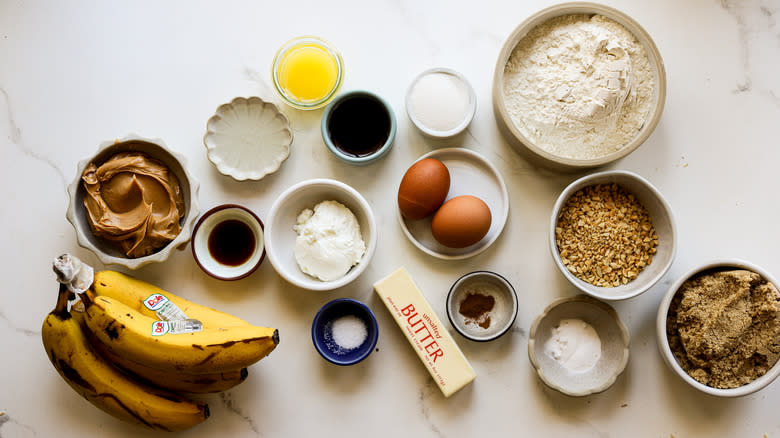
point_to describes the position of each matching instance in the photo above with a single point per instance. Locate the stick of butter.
(434, 345)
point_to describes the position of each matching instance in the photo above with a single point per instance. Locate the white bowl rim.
(663, 341)
(181, 239)
(463, 124)
(314, 284)
(621, 18)
(589, 301)
(583, 182)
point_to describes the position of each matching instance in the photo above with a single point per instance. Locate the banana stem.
(61, 309)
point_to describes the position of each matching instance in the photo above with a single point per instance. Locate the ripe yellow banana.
(106, 387)
(172, 381)
(135, 293)
(129, 334)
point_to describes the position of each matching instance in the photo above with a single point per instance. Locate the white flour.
(579, 86)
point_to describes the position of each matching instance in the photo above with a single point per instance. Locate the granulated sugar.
(579, 86)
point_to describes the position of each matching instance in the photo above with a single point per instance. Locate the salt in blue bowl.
(321, 333)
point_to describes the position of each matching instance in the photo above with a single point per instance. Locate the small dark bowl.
(320, 331)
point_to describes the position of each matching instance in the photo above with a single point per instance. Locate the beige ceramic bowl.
(663, 340)
(663, 222)
(614, 346)
(521, 143)
(155, 148)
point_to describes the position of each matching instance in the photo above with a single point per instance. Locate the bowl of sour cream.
(320, 234)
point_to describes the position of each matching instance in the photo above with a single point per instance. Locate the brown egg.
(423, 188)
(462, 221)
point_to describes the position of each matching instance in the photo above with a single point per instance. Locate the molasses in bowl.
(358, 127)
(228, 242)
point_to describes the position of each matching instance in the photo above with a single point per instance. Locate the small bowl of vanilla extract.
(358, 127)
(227, 242)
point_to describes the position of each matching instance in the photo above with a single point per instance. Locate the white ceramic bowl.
(432, 132)
(523, 144)
(155, 148)
(612, 333)
(201, 237)
(663, 221)
(280, 236)
(248, 138)
(663, 340)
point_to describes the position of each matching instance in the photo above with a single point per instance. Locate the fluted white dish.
(248, 138)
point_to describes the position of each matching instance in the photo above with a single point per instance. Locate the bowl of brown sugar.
(718, 328)
(482, 306)
(612, 234)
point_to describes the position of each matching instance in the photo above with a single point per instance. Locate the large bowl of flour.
(578, 85)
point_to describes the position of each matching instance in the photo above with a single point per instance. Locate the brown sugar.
(724, 327)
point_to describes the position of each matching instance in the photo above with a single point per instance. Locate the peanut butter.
(134, 201)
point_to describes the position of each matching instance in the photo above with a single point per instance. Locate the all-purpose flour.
(579, 86)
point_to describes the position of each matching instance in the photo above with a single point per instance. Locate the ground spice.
(476, 308)
(605, 236)
(723, 327)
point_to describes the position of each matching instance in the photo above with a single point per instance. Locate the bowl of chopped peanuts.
(612, 234)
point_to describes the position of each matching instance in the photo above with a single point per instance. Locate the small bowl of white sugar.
(441, 103)
(344, 331)
(578, 345)
(578, 85)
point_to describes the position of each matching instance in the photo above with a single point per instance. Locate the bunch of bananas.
(109, 347)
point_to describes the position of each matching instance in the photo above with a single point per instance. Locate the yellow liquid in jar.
(308, 73)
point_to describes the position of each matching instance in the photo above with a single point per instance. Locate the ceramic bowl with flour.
(578, 85)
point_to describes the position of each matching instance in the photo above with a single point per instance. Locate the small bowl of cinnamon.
(482, 306)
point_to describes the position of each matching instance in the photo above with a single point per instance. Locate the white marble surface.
(75, 73)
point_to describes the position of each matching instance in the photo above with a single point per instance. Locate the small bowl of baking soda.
(578, 345)
(344, 331)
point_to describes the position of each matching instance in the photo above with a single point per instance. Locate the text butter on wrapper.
(434, 345)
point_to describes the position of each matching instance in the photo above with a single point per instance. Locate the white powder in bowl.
(440, 101)
(575, 345)
(579, 86)
(347, 332)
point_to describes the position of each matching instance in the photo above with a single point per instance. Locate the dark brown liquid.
(231, 242)
(359, 126)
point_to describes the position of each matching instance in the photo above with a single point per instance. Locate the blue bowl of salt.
(344, 331)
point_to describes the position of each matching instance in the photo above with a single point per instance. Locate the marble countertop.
(73, 74)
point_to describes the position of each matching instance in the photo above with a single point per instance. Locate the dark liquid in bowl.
(231, 242)
(359, 126)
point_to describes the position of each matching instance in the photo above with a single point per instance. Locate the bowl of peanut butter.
(133, 202)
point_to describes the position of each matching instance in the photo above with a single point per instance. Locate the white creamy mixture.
(575, 345)
(329, 242)
(579, 86)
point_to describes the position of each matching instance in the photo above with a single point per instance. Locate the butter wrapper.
(425, 332)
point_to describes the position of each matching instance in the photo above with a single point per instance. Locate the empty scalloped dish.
(248, 138)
